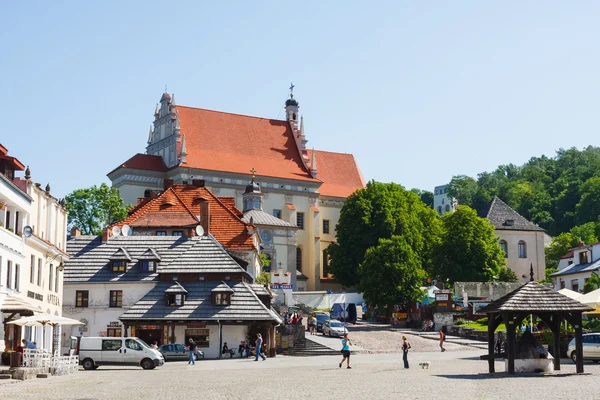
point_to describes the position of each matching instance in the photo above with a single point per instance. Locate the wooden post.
(578, 341)
(510, 341)
(172, 333)
(491, 329)
(125, 327)
(555, 327)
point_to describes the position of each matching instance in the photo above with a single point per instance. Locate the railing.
(54, 364)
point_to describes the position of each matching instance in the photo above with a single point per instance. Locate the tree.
(563, 243)
(391, 273)
(469, 250)
(380, 211)
(92, 209)
(592, 283)
(588, 208)
(425, 195)
(463, 188)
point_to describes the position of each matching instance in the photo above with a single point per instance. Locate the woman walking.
(405, 348)
(346, 343)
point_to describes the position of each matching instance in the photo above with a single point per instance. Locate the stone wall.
(488, 290)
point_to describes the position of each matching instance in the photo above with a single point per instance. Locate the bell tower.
(291, 107)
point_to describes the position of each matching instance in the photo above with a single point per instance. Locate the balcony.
(11, 240)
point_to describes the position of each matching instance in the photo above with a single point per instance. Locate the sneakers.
(349, 367)
(340, 365)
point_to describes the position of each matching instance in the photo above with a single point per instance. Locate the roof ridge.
(231, 113)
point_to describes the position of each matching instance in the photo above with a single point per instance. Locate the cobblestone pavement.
(452, 375)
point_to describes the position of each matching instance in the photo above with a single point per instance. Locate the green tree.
(391, 273)
(380, 211)
(92, 209)
(563, 243)
(588, 208)
(464, 189)
(469, 250)
(592, 283)
(425, 195)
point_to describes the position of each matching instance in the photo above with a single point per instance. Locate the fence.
(54, 364)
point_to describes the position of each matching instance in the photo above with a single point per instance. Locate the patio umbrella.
(591, 299)
(42, 320)
(570, 293)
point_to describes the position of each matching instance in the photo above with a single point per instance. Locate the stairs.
(308, 348)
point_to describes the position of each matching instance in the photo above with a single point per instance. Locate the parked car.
(320, 319)
(591, 348)
(334, 328)
(96, 351)
(172, 352)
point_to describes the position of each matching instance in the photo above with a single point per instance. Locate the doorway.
(150, 335)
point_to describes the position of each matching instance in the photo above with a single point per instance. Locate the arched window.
(447, 207)
(522, 249)
(504, 247)
(299, 259)
(439, 209)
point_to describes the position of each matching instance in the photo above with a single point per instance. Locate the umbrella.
(591, 299)
(570, 293)
(42, 320)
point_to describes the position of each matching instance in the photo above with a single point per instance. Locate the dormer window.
(222, 299)
(118, 266)
(583, 257)
(175, 299)
(148, 266)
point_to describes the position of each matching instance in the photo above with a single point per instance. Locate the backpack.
(443, 337)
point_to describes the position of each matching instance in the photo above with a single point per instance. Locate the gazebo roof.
(535, 297)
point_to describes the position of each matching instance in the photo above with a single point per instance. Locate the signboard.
(196, 325)
(283, 286)
(148, 327)
(83, 328)
(441, 297)
(114, 324)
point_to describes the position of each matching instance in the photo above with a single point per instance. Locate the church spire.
(156, 112)
(291, 107)
(173, 100)
(183, 152)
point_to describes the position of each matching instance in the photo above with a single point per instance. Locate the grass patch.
(483, 327)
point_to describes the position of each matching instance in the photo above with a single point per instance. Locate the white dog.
(424, 364)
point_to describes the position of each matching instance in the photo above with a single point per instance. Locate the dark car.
(320, 319)
(173, 352)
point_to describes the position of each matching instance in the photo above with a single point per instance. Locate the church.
(303, 187)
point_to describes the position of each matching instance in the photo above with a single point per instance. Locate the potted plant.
(6, 357)
(2, 205)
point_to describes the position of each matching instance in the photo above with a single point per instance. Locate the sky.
(417, 91)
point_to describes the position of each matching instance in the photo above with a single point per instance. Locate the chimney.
(198, 182)
(168, 183)
(205, 216)
(105, 235)
(75, 232)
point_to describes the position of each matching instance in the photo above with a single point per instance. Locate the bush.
(482, 321)
(461, 321)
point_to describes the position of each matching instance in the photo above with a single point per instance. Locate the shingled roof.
(534, 297)
(259, 217)
(244, 306)
(505, 218)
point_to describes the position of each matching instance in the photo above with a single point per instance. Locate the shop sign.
(83, 328)
(36, 296)
(113, 324)
(196, 325)
(441, 297)
(148, 327)
(53, 299)
(283, 286)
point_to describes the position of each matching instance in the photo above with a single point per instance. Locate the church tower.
(291, 108)
(164, 139)
(252, 196)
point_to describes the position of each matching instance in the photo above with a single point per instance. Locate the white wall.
(535, 253)
(324, 300)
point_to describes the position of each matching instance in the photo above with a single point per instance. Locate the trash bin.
(15, 359)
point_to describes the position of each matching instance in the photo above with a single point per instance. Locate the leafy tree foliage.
(557, 193)
(591, 284)
(561, 244)
(391, 273)
(92, 209)
(381, 211)
(425, 195)
(469, 250)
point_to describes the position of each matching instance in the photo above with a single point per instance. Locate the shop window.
(114, 332)
(116, 298)
(175, 299)
(148, 266)
(118, 266)
(81, 298)
(200, 336)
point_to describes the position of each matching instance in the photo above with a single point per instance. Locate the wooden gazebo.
(552, 308)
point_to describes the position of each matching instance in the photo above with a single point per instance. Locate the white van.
(96, 351)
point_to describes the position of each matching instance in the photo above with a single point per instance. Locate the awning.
(42, 319)
(15, 304)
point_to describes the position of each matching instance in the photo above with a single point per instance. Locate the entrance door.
(149, 335)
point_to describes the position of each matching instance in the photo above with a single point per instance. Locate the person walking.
(442, 340)
(405, 348)
(192, 349)
(346, 343)
(259, 343)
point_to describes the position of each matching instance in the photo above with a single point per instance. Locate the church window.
(522, 246)
(439, 209)
(325, 226)
(299, 259)
(447, 207)
(300, 220)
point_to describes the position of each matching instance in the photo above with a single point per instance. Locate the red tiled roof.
(291, 206)
(145, 162)
(49, 243)
(227, 142)
(314, 208)
(339, 173)
(16, 164)
(230, 203)
(225, 225)
(568, 255)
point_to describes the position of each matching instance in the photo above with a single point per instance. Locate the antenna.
(116, 231)
(126, 230)
(200, 230)
(27, 231)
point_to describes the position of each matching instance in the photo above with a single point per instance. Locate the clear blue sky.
(417, 91)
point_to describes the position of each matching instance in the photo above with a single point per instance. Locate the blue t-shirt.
(345, 345)
(30, 345)
(259, 342)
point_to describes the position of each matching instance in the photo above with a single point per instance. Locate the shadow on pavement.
(504, 375)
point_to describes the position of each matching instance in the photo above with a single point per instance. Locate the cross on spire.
(253, 172)
(165, 88)
(292, 89)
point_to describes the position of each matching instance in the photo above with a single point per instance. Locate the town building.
(33, 237)
(522, 241)
(442, 202)
(167, 289)
(577, 266)
(306, 188)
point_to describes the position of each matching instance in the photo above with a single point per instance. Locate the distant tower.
(442, 203)
(252, 195)
(291, 107)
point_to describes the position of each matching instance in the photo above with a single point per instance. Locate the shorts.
(346, 353)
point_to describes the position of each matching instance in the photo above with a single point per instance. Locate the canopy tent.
(591, 299)
(570, 293)
(42, 320)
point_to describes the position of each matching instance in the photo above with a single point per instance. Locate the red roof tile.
(339, 173)
(291, 206)
(227, 142)
(145, 162)
(225, 224)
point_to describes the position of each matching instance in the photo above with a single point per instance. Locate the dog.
(424, 364)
